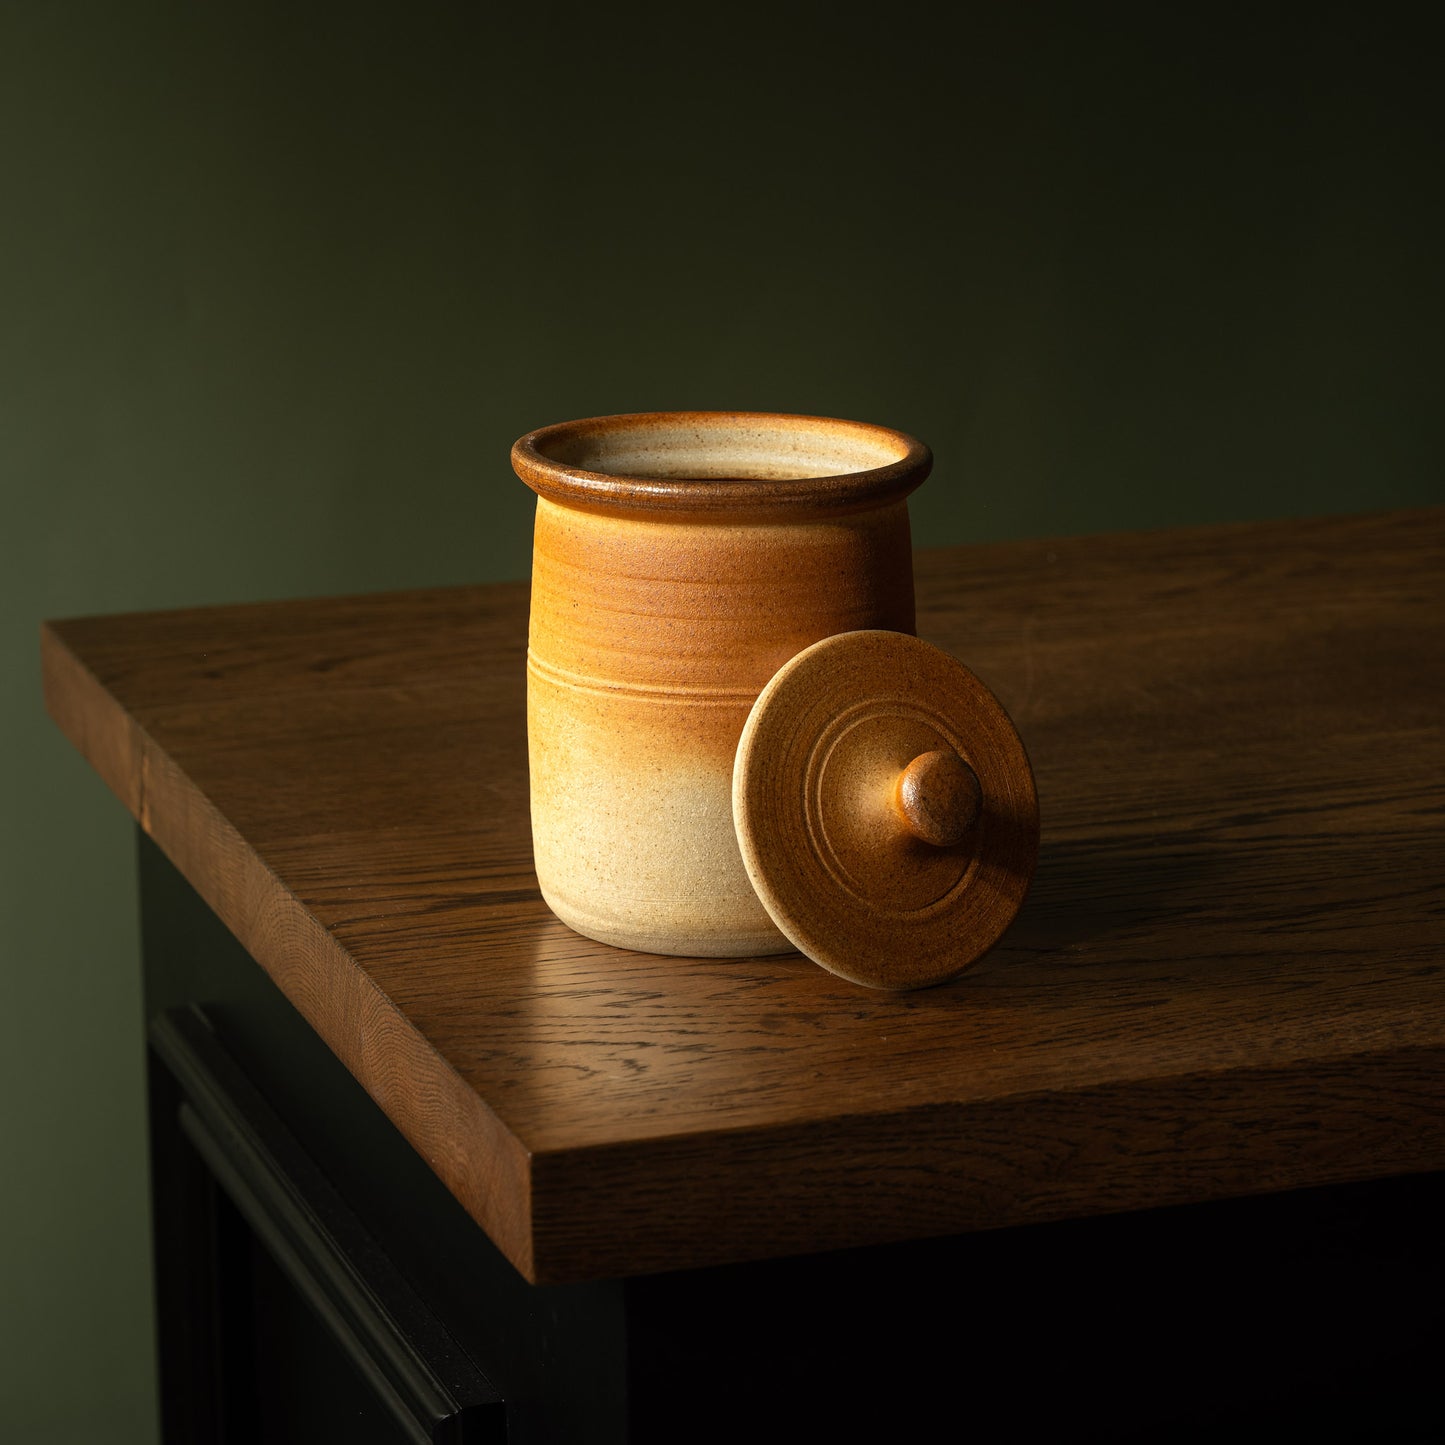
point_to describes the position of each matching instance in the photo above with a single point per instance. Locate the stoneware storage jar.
(737, 746)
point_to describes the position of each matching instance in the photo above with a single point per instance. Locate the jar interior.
(725, 448)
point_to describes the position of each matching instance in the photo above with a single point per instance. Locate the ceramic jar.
(680, 560)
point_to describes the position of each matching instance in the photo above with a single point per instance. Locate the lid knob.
(939, 797)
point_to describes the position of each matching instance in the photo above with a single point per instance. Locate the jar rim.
(723, 463)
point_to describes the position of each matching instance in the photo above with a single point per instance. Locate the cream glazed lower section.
(632, 822)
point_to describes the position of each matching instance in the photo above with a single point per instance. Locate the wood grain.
(1227, 978)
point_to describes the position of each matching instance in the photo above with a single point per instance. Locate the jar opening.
(721, 462)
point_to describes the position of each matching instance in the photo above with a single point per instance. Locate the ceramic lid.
(885, 809)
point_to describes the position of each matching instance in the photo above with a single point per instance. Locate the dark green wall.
(279, 283)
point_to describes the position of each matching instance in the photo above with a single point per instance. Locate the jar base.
(751, 943)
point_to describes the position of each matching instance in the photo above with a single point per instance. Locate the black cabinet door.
(280, 1317)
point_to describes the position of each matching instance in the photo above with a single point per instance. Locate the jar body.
(650, 639)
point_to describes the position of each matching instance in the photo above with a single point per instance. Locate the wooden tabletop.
(1227, 978)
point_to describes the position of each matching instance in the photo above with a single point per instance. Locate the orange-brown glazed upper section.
(674, 604)
(725, 464)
